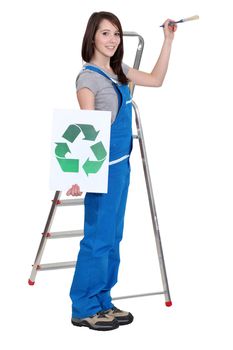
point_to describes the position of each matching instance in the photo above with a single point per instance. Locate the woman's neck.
(102, 63)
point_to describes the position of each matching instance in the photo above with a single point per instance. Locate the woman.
(103, 85)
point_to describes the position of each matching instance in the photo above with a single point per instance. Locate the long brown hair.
(89, 36)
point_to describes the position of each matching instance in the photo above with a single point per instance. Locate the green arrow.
(71, 132)
(92, 166)
(74, 130)
(61, 149)
(67, 165)
(99, 150)
(89, 131)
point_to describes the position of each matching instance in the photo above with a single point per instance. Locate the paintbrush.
(183, 20)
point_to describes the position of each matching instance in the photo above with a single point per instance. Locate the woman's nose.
(113, 38)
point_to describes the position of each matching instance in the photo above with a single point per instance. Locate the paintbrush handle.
(182, 20)
(171, 23)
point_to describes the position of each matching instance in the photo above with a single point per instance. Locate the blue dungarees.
(98, 259)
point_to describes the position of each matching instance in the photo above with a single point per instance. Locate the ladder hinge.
(57, 201)
(46, 234)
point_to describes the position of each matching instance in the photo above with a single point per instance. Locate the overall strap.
(98, 70)
(114, 83)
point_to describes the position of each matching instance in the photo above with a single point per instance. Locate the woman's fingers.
(172, 26)
(68, 193)
(169, 28)
(74, 191)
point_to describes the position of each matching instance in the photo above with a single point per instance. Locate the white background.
(188, 130)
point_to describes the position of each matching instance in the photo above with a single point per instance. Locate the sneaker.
(123, 317)
(99, 322)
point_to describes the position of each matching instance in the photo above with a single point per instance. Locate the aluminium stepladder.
(37, 266)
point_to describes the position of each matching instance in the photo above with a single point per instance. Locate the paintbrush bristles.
(191, 18)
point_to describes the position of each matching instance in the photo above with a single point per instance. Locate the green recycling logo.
(73, 165)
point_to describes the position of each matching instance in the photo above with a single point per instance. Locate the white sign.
(80, 150)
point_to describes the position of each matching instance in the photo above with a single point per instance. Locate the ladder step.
(65, 234)
(135, 137)
(68, 202)
(58, 265)
(139, 295)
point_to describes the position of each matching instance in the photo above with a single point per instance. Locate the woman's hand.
(74, 191)
(169, 29)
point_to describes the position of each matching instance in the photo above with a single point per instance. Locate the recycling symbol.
(71, 165)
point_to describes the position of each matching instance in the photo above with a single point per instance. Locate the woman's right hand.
(74, 191)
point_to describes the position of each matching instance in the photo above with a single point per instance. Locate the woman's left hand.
(169, 29)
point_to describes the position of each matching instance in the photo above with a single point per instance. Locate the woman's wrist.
(168, 40)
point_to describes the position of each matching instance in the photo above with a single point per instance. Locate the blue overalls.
(98, 259)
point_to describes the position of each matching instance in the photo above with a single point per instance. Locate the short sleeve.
(125, 68)
(87, 80)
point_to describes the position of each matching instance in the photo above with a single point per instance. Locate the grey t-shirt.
(106, 98)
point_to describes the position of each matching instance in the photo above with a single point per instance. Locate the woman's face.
(107, 39)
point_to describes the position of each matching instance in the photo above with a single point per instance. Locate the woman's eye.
(107, 33)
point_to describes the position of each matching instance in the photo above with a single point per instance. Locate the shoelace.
(101, 314)
(115, 309)
(104, 313)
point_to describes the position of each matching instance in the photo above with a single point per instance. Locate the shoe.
(123, 317)
(99, 322)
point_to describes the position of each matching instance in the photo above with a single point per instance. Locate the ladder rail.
(44, 238)
(138, 55)
(146, 170)
(150, 194)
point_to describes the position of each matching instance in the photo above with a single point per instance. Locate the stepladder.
(58, 202)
